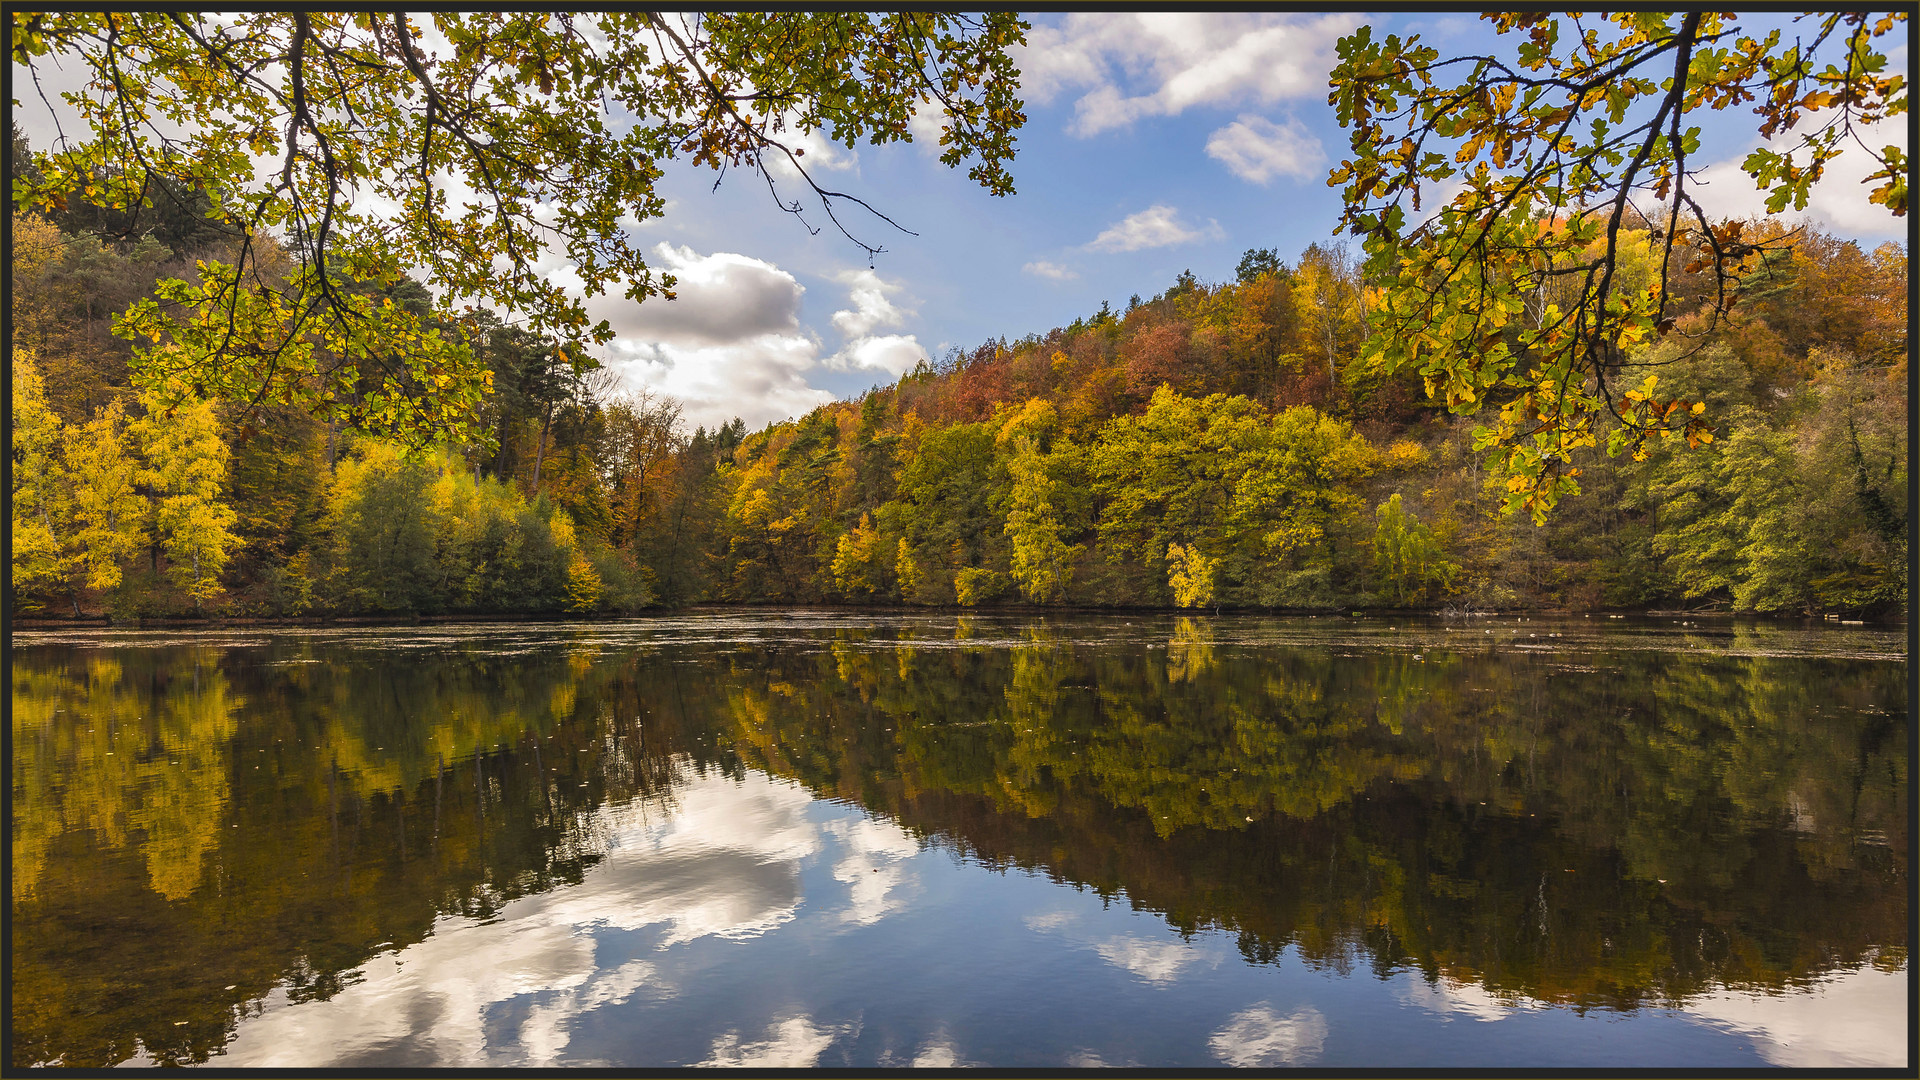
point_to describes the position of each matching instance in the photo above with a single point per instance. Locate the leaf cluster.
(1511, 292)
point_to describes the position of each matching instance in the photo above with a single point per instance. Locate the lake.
(829, 839)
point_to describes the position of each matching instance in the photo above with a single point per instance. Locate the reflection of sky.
(754, 926)
(1259, 1038)
(1857, 1019)
(1456, 998)
(725, 865)
(1155, 962)
(1852, 1019)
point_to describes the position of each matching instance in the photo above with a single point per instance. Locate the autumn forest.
(1220, 444)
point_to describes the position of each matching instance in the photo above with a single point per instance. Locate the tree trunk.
(503, 456)
(540, 452)
(1330, 337)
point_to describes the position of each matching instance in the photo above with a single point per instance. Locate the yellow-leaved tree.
(583, 581)
(187, 468)
(109, 515)
(38, 517)
(1042, 562)
(906, 568)
(1543, 158)
(1190, 575)
(857, 559)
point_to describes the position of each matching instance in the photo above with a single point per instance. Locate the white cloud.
(1162, 63)
(1050, 270)
(1838, 202)
(894, 354)
(871, 307)
(1259, 1038)
(1156, 226)
(1256, 149)
(925, 126)
(817, 154)
(722, 298)
(729, 344)
(732, 343)
(760, 380)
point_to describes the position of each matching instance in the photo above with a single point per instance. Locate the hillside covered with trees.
(1218, 445)
(229, 397)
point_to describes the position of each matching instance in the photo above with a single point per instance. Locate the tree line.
(1219, 445)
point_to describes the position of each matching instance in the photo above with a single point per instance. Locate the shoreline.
(216, 622)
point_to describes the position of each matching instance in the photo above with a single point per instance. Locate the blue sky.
(1155, 143)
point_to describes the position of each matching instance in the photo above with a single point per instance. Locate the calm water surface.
(816, 839)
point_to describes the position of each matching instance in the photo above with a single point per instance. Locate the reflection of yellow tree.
(186, 789)
(852, 663)
(38, 697)
(380, 790)
(1189, 652)
(93, 753)
(1037, 759)
(390, 728)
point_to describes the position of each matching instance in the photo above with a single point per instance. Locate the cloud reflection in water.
(725, 864)
(1260, 1038)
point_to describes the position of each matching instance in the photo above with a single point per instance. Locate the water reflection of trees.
(194, 827)
(276, 817)
(1606, 832)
